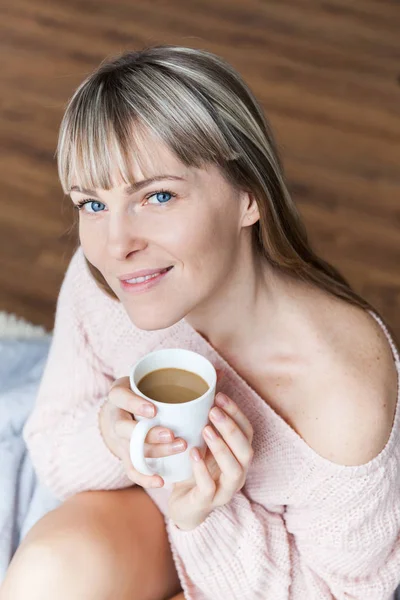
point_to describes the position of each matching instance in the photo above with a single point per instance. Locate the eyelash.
(81, 203)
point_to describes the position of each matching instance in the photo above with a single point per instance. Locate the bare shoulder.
(351, 401)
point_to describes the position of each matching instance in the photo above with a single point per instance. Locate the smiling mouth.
(144, 278)
(147, 277)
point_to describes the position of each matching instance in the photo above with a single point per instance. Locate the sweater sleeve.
(62, 433)
(349, 550)
(241, 551)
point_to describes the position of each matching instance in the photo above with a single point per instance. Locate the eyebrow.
(132, 188)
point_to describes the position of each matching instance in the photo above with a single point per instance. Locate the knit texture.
(302, 528)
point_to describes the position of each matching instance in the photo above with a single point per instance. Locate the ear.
(250, 212)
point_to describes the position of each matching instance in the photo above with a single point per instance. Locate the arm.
(240, 551)
(62, 433)
(244, 551)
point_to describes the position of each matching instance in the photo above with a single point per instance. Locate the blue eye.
(95, 206)
(163, 196)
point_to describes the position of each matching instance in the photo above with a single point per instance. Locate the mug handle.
(136, 447)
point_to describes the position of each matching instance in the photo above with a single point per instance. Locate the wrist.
(192, 523)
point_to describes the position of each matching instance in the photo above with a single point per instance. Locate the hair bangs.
(102, 132)
(97, 143)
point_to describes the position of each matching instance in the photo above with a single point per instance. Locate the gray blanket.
(22, 499)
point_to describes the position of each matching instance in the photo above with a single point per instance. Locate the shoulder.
(351, 401)
(79, 284)
(77, 273)
(82, 301)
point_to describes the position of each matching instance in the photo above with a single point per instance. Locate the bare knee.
(65, 555)
(96, 546)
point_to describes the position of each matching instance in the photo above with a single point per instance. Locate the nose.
(123, 236)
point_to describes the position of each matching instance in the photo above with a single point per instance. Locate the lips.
(128, 277)
(145, 277)
(143, 281)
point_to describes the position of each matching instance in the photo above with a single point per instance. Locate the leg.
(105, 545)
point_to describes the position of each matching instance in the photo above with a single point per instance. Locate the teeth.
(141, 279)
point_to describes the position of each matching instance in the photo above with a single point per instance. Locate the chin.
(152, 320)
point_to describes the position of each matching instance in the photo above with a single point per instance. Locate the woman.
(189, 238)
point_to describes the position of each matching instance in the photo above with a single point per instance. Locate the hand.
(117, 424)
(221, 473)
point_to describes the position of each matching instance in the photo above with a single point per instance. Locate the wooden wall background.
(327, 73)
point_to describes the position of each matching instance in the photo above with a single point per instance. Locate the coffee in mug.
(181, 384)
(172, 386)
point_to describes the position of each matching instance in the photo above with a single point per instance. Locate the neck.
(244, 306)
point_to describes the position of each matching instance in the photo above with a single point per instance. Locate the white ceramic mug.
(187, 420)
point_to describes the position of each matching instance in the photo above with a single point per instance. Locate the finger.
(122, 396)
(160, 435)
(232, 409)
(233, 436)
(162, 450)
(157, 435)
(205, 488)
(146, 481)
(232, 472)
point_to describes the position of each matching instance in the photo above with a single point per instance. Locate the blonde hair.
(205, 113)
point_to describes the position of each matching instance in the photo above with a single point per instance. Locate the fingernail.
(180, 445)
(148, 410)
(165, 436)
(221, 399)
(217, 414)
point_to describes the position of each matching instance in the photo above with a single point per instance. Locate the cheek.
(204, 240)
(89, 239)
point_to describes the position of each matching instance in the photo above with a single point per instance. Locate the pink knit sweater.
(302, 528)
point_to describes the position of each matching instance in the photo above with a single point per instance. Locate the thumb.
(124, 424)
